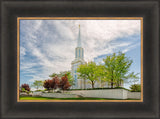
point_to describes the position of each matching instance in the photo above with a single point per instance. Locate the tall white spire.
(79, 50)
(79, 38)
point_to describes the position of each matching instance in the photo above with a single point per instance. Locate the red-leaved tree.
(54, 82)
(25, 86)
(47, 84)
(51, 84)
(64, 83)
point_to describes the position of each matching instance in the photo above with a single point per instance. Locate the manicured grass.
(83, 98)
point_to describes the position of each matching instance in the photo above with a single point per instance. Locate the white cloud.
(22, 51)
(130, 47)
(52, 42)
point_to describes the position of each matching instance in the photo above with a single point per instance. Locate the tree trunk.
(118, 84)
(84, 83)
(111, 83)
(80, 84)
(101, 83)
(92, 84)
(112, 80)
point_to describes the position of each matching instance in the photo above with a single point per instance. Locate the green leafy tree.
(83, 73)
(134, 78)
(70, 78)
(135, 88)
(117, 67)
(87, 71)
(23, 90)
(100, 73)
(53, 75)
(93, 76)
(37, 84)
(61, 74)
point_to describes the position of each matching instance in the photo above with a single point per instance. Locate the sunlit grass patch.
(78, 98)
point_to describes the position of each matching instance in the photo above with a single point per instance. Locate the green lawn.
(47, 98)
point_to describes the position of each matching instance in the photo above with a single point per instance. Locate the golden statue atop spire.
(79, 25)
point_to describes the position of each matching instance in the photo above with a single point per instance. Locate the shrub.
(54, 82)
(46, 84)
(51, 84)
(37, 84)
(64, 83)
(23, 90)
(101, 88)
(135, 88)
(25, 87)
(38, 90)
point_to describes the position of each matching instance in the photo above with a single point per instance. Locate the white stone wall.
(58, 95)
(36, 93)
(125, 93)
(134, 95)
(108, 93)
(105, 93)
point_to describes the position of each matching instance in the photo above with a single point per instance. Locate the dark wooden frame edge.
(11, 9)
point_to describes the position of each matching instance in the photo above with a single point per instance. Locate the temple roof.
(79, 39)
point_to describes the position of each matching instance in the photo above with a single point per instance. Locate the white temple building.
(79, 59)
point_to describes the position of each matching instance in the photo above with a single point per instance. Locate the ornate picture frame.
(11, 10)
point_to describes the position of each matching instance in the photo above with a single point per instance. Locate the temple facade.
(79, 59)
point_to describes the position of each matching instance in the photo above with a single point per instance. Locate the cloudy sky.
(48, 46)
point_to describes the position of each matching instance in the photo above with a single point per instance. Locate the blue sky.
(48, 46)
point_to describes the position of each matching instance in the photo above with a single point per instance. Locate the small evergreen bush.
(135, 88)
